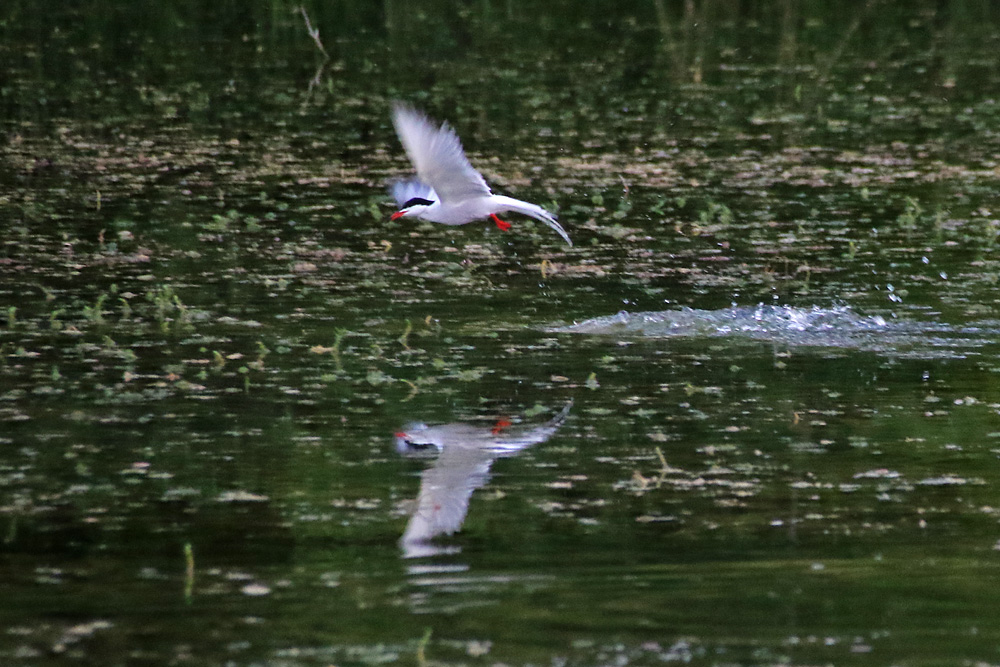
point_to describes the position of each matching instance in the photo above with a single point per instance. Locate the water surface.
(210, 333)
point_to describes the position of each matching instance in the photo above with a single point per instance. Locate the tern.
(448, 189)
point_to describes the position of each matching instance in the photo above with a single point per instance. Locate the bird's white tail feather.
(532, 211)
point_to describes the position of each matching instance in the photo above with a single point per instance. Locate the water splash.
(836, 327)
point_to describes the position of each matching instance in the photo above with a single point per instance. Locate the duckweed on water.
(211, 331)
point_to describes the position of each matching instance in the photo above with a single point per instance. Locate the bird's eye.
(417, 200)
(404, 439)
(419, 446)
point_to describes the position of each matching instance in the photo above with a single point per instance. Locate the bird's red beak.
(397, 215)
(400, 434)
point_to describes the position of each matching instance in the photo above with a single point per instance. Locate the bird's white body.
(450, 191)
(462, 212)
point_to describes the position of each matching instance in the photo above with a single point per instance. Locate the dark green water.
(210, 332)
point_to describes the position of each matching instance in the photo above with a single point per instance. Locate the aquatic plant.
(910, 217)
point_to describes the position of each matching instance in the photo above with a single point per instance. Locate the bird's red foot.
(501, 424)
(505, 226)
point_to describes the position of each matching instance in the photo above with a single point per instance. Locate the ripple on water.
(836, 327)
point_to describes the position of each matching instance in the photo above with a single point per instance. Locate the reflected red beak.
(397, 215)
(399, 434)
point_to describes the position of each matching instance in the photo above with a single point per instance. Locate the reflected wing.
(445, 489)
(437, 155)
(404, 191)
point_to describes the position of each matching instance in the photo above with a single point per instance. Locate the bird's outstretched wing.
(437, 155)
(404, 191)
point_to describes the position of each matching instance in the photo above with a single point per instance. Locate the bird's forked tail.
(532, 211)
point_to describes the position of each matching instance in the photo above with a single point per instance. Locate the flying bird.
(448, 189)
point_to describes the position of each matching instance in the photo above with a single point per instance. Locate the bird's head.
(413, 208)
(417, 440)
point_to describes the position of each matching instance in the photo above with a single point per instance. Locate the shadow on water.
(836, 327)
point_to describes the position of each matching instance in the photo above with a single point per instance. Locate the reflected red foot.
(501, 424)
(505, 226)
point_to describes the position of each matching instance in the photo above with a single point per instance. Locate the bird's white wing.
(404, 191)
(437, 154)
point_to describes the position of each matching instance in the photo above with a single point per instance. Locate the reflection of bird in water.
(464, 454)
